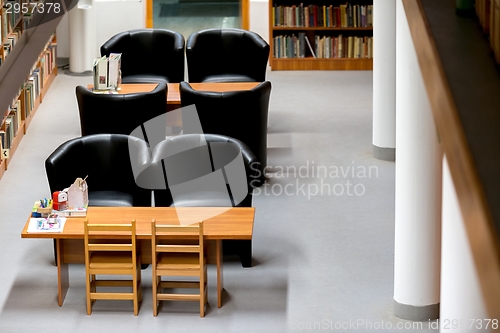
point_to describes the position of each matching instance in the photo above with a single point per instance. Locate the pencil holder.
(39, 211)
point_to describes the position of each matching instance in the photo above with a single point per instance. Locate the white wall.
(114, 16)
(62, 33)
(259, 18)
(111, 16)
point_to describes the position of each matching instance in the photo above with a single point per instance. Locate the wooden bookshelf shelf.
(321, 35)
(322, 64)
(48, 82)
(15, 143)
(14, 121)
(3, 167)
(28, 119)
(320, 28)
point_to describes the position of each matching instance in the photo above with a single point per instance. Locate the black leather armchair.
(188, 164)
(180, 162)
(242, 115)
(148, 55)
(105, 160)
(119, 113)
(226, 55)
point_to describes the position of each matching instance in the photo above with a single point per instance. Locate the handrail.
(467, 165)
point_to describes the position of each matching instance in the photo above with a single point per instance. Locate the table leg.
(62, 273)
(220, 284)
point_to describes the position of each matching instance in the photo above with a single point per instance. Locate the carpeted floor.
(323, 236)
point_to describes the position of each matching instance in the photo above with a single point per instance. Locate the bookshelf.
(488, 13)
(15, 121)
(483, 13)
(321, 35)
(495, 28)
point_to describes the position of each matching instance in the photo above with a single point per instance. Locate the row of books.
(343, 16)
(33, 86)
(33, 7)
(495, 28)
(488, 12)
(2, 140)
(25, 101)
(32, 89)
(11, 14)
(324, 46)
(10, 17)
(13, 10)
(10, 41)
(12, 125)
(483, 11)
(39, 74)
(20, 110)
(48, 61)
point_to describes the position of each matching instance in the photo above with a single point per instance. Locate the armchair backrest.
(103, 158)
(118, 113)
(204, 154)
(242, 115)
(158, 52)
(226, 55)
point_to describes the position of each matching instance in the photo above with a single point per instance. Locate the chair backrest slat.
(178, 248)
(97, 238)
(110, 247)
(108, 227)
(167, 228)
(161, 232)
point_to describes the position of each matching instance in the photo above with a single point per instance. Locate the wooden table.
(173, 94)
(232, 223)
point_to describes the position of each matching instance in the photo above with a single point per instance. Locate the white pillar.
(418, 187)
(82, 33)
(384, 79)
(462, 305)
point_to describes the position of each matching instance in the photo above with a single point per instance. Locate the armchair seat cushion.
(145, 78)
(110, 199)
(202, 199)
(228, 78)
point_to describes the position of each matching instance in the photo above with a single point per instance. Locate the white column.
(82, 33)
(384, 79)
(462, 305)
(418, 187)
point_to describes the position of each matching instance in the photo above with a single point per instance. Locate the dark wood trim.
(245, 14)
(479, 224)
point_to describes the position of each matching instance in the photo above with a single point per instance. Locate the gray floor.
(323, 243)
